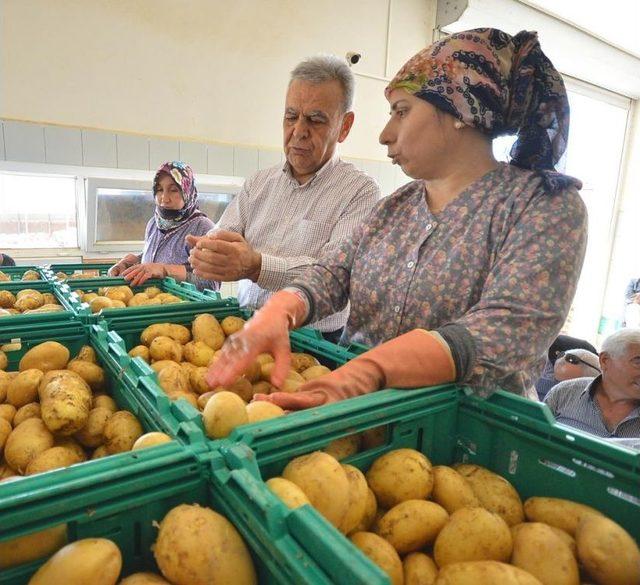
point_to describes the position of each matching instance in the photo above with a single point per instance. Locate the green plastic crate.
(27, 499)
(513, 436)
(90, 269)
(196, 300)
(8, 323)
(16, 272)
(124, 334)
(126, 511)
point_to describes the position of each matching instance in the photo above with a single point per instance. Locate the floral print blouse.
(495, 272)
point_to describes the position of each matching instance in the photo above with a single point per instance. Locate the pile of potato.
(77, 275)
(180, 356)
(195, 546)
(54, 412)
(28, 275)
(121, 297)
(27, 301)
(460, 525)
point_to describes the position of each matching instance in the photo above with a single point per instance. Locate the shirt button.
(410, 265)
(396, 308)
(429, 226)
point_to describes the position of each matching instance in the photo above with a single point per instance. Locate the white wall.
(203, 70)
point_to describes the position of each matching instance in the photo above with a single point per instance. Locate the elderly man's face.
(623, 372)
(314, 122)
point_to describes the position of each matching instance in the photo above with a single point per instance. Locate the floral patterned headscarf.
(182, 174)
(500, 85)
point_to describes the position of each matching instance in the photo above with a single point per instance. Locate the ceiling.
(617, 25)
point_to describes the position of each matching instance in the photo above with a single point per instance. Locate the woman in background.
(176, 215)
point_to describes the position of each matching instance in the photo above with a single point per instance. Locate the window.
(37, 211)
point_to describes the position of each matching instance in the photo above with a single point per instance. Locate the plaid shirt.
(573, 403)
(291, 225)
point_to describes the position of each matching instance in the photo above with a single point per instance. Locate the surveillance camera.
(353, 58)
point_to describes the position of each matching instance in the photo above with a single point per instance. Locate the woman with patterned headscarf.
(467, 273)
(176, 215)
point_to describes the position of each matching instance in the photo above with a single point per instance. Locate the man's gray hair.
(616, 344)
(323, 68)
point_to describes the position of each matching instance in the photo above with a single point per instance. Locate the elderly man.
(286, 216)
(608, 405)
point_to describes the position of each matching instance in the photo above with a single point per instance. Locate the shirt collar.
(591, 389)
(325, 168)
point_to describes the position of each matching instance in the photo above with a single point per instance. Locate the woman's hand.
(266, 332)
(139, 274)
(126, 262)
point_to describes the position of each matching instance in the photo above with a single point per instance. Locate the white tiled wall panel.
(269, 158)
(220, 159)
(195, 154)
(63, 146)
(24, 142)
(161, 150)
(133, 152)
(99, 149)
(245, 161)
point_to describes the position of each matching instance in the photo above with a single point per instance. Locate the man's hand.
(224, 256)
(139, 274)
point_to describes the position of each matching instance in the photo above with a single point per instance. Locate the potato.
(31, 410)
(204, 398)
(607, 551)
(4, 361)
(253, 373)
(224, 412)
(451, 490)
(231, 325)
(167, 299)
(49, 299)
(4, 277)
(290, 385)
(165, 348)
(150, 440)
(160, 365)
(119, 293)
(190, 397)
(72, 445)
(473, 534)
(412, 525)
(152, 291)
(7, 299)
(370, 510)
(261, 410)
(315, 372)
(324, 481)
(303, 361)
(65, 404)
(5, 431)
(561, 534)
(343, 447)
(197, 380)
(45, 309)
(372, 438)
(539, 551)
(206, 328)
(494, 492)
(7, 412)
(262, 387)
(141, 351)
(198, 353)
(91, 435)
(201, 547)
(92, 560)
(381, 553)
(53, 458)
(104, 401)
(23, 389)
(138, 300)
(121, 431)
(26, 442)
(484, 573)
(31, 275)
(399, 475)
(53, 374)
(100, 452)
(265, 358)
(29, 302)
(91, 373)
(288, 492)
(358, 493)
(30, 547)
(87, 354)
(87, 297)
(178, 333)
(173, 378)
(99, 303)
(563, 514)
(419, 569)
(144, 579)
(242, 387)
(46, 356)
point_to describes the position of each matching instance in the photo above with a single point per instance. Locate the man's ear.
(347, 122)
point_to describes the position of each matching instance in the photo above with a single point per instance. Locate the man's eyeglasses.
(574, 360)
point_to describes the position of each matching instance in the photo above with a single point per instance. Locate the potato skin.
(563, 514)
(91, 435)
(607, 551)
(46, 356)
(177, 332)
(381, 553)
(5, 431)
(92, 560)
(150, 440)
(419, 569)
(53, 458)
(259, 411)
(358, 492)
(26, 442)
(288, 492)
(303, 361)
(197, 546)
(65, 405)
(31, 547)
(370, 512)
(343, 447)
(144, 579)
(91, 373)
(23, 389)
(198, 353)
(451, 490)
(121, 431)
(231, 325)
(224, 412)
(399, 475)
(141, 351)
(484, 573)
(206, 328)
(87, 354)
(473, 534)
(165, 348)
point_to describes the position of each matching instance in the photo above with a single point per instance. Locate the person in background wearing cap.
(562, 343)
(465, 274)
(176, 215)
(609, 404)
(576, 363)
